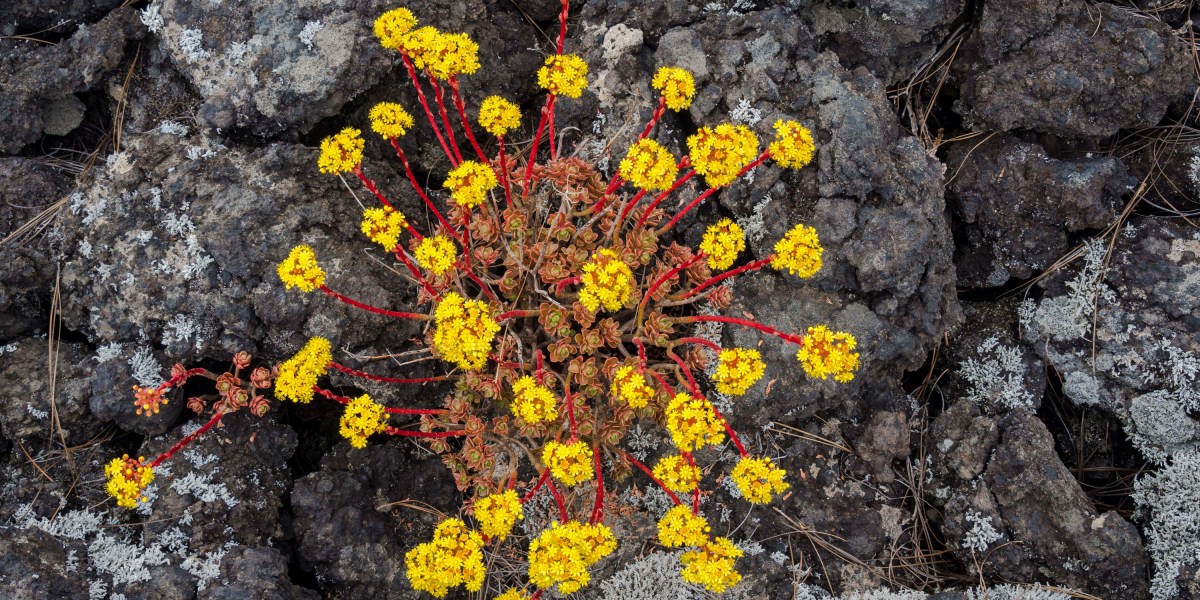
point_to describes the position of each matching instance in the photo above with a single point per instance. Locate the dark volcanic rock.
(255, 573)
(45, 406)
(1068, 67)
(50, 18)
(1016, 208)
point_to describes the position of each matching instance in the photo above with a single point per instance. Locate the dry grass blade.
(411, 504)
(822, 541)
(810, 437)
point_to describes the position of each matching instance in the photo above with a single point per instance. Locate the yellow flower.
(793, 146)
(719, 153)
(569, 463)
(499, 116)
(675, 473)
(676, 85)
(464, 331)
(722, 243)
(341, 152)
(758, 478)
(127, 477)
(737, 370)
(607, 281)
(799, 251)
(692, 423)
(470, 182)
(419, 45)
(453, 558)
(712, 566)
(679, 527)
(563, 75)
(298, 374)
(452, 54)
(392, 26)
(300, 269)
(362, 419)
(630, 387)
(513, 594)
(824, 353)
(498, 513)
(148, 400)
(649, 166)
(562, 553)
(383, 226)
(390, 120)
(533, 403)
(436, 253)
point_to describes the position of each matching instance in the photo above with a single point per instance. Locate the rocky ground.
(1006, 190)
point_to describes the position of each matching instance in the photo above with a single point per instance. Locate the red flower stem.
(332, 396)
(658, 113)
(558, 499)
(661, 381)
(537, 371)
(422, 434)
(696, 491)
(462, 114)
(504, 174)
(537, 138)
(513, 314)
(570, 406)
(562, 19)
(612, 187)
(412, 73)
(598, 507)
(487, 289)
(380, 378)
(533, 491)
(751, 266)
(701, 341)
(696, 391)
(421, 192)
(399, 252)
(439, 95)
(370, 185)
(564, 283)
(550, 132)
(637, 463)
(216, 418)
(659, 198)
(394, 411)
(669, 274)
(378, 311)
(758, 161)
(787, 337)
(629, 207)
(178, 379)
(537, 595)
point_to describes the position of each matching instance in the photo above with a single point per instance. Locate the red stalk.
(700, 341)
(412, 73)
(462, 113)
(216, 418)
(504, 174)
(751, 266)
(533, 491)
(558, 499)
(439, 95)
(421, 192)
(637, 463)
(537, 372)
(393, 411)
(370, 185)
(399, 252)
(628, 207)
(558, 287)
(696, 391)
(364, 375)
(659, 198)
(669, 274)
(658, 113)
(512, 314)
(598, 507)
(379, 311)
(562, 19)
(422, 434)
(787, 337)
(537, 138)
(746, 169)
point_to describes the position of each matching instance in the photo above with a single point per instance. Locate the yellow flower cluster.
(737, 370)
(498, 116)
(384, 226)
(513, 594)
(498, 513)
(393, 25)
(648, 166)
(533, 403)
(341, 152)
(723, 242)
(679, 527)
(569, 463)
(793, 146)
(692, 423)
(607, 281)
(758, 478)
(719, 153)
(563, 75)
(127, 477)
(824, 353)
(630, 387)
(298, 374)
(712, 565)
(390, 120)
(799, 251)
(465, 331)
(436, 253)
(453, 558)
(300, 269)
(677, 474)
(470, 182)
(452, 54)
(362, 419)
(563, 552)
(676, 86)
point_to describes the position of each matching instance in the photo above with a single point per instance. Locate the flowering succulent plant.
(558, 303)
